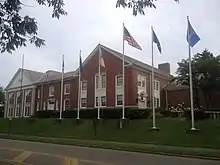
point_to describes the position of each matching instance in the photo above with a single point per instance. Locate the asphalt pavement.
(35, 153)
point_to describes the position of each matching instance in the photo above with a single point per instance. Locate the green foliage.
(137, 6)
(172, 131)
(16, 30)
(2, 96)
(92, 113)
(205, 74)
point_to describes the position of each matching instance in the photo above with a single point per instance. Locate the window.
(84, 85)
(27, 111)
(19, 97)
(119, 100)
(51, 90)
(119, 80)
(143, 83)
(103, 100)
(156, 85)
(28, 96)
(38, 93)
(51, 104)
(97, 101)
(10, 112)
(66, 104)
(156, 102)
(18, 110)
(103, 80)
(83, 102)
(139, 83)
(11, 98)
(67, 89)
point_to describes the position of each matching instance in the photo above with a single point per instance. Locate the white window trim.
(64, 104)
(38, 104)
(101, 106)
(81, 102)
(101, 74)
(82, 86)
(50, 90)
(65, 89)
(116, 81)
(116, 102)
(24, 111)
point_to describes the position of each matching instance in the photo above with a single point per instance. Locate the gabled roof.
(55, 76)
(31, 75)
(127, 59)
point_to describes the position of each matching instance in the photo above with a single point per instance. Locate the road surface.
(34, 153)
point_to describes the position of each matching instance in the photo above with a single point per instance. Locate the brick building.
(46, 89)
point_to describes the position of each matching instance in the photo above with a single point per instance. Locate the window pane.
(157, 85)
(84, 85)
(119, 99)
(83, 102)
(143, 83)
(67, 89)
(103, 101)
(139, 83)
(103, 81)
(96, 101)
(119, 80)
(67, 104)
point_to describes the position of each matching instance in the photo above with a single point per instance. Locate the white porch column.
(6, 104)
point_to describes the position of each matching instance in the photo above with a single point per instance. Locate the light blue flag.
(191, 37)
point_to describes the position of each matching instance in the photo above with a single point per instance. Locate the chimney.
(165, 67)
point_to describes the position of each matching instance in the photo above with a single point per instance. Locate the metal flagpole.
(99, 85)
(190, 83)
(152, 78)
(61, 91)
(79, 87)
(21, 93)
(123, 74)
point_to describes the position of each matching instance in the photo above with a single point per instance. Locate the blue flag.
(155, 40)
(191, 37)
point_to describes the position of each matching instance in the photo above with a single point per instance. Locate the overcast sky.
(98, 21)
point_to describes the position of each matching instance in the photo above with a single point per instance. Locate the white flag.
(102, 62)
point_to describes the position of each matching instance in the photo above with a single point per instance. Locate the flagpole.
(123, 72)
(152, 78)
(61, 90)
(79, 88)
(21, 93)
(99, 86)
(190, 83)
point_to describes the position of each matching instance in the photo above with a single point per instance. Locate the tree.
(137, 6)
(17, 30)
(205, 75)
(2, 96)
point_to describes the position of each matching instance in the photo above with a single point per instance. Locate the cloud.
(93, 22)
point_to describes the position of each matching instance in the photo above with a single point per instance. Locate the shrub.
(113, 113)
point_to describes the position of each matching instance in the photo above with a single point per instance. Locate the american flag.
(131, 41)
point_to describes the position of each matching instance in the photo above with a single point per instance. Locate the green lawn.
(172, 131)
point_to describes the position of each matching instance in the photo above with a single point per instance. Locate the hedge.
(92, 113)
